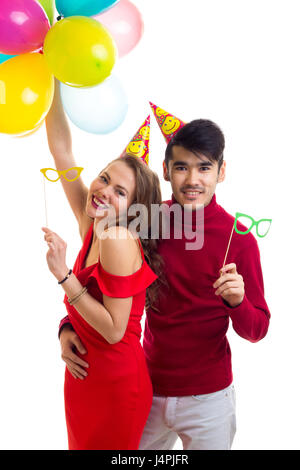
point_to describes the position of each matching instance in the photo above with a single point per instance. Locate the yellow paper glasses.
(51, 173)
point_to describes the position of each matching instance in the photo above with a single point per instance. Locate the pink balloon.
(23, 26)
(125, 24)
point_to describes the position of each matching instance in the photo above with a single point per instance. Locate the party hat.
(139, 144)
(169, 124)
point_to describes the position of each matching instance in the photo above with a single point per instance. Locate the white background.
(235, 62)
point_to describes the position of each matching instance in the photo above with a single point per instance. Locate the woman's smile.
(98, 203)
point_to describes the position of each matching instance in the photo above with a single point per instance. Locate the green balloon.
(48, 6)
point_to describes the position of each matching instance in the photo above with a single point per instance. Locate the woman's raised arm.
(60, 145)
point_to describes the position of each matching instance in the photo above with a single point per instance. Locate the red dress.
(109, 408)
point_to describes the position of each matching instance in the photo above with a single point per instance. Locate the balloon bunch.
(79, 49)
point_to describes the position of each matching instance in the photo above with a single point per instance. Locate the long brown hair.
(147, 192)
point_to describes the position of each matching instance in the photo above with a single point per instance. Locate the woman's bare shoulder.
(119, 251)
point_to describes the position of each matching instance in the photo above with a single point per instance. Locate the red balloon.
(23, 26)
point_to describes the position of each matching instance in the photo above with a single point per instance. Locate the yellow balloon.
(33, 131)
(26, 93)
(80, 51)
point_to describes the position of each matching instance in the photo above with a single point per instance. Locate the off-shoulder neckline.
(87, 245)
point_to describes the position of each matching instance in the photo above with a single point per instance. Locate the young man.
(185, 342)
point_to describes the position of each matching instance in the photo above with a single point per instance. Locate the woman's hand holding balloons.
(78, 50)
(56, 255)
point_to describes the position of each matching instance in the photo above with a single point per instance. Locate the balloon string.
(45, 200)
(228, 245)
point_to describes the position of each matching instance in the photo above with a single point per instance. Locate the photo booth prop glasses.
(63, 173)
(262, 228)
(52, 176)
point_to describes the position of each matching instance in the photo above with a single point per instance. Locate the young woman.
(105, 296)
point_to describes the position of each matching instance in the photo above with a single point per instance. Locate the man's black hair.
(199, 136)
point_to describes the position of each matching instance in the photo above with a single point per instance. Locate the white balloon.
(98, 110)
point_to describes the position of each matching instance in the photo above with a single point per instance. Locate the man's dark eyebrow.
(207, 163)
(180, 163)
(118, 186)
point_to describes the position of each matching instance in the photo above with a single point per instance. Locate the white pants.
(203, 422)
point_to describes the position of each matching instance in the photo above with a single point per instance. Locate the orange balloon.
(26, 93)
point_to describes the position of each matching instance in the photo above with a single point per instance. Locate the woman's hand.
(56, 255)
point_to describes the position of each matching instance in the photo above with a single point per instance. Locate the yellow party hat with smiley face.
(169, 124)
(139, 144)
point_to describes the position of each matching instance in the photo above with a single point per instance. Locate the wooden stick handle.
(228, 245)
(45, 201)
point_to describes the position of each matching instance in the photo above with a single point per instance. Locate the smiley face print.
(170, 125)
(137, 148)
(145, 132)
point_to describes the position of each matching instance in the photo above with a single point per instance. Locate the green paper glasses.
(262, 225)
(52, 173)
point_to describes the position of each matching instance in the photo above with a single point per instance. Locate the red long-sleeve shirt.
(185, 342)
